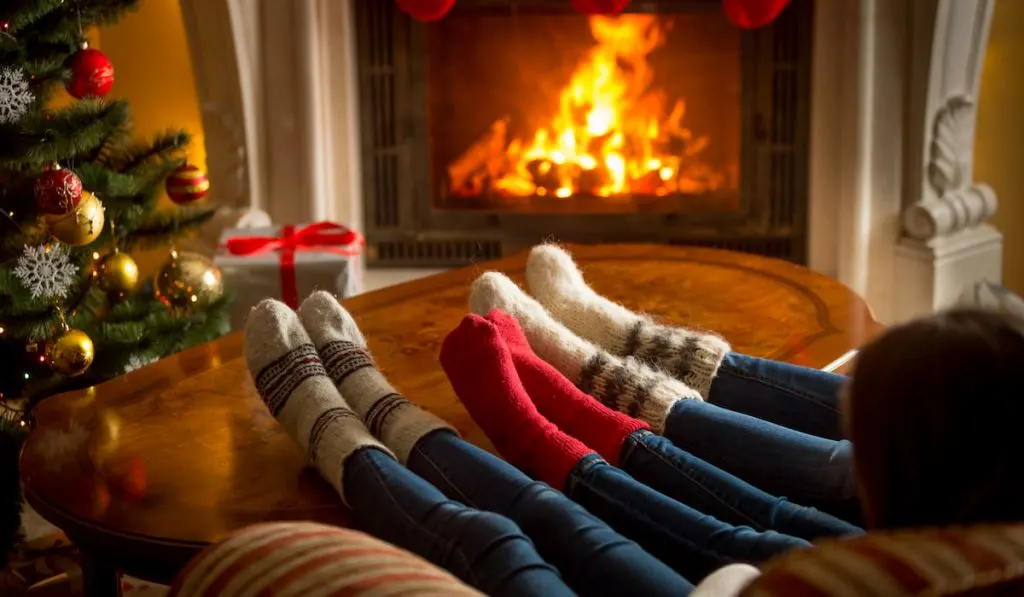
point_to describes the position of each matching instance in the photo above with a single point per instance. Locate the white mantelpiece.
(895, 213)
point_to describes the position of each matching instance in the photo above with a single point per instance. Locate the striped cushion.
(299, 559)
(982, 560)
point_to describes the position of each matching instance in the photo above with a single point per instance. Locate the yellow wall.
(998, 156)
(149, 50)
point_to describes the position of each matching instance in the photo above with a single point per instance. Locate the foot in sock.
(562, 403)
(626, 385)
(689, 355)
(481, 371)
(292, 382)
(389, 415)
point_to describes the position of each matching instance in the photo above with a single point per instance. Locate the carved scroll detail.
(958, 202)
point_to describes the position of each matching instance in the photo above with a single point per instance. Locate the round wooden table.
(144, 470)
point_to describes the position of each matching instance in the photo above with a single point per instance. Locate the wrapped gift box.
(288, 263)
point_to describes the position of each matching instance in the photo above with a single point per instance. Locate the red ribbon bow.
(322, 236)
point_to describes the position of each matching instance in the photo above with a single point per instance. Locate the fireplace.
(509, 122)
(891, 200)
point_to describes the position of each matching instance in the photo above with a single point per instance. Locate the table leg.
(99, 577)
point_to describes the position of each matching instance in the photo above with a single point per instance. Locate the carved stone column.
(278, 102)
(946, 246)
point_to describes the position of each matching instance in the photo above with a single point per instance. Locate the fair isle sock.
(292, 382)
(389, 415)
(688, 355)
(626, 385)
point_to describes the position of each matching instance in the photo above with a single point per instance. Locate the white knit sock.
(292, 382)
(389, 415)
(625, 384)
(688, 355)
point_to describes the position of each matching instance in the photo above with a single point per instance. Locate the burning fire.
(612, 135)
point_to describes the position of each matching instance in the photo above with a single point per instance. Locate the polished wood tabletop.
(149, 467)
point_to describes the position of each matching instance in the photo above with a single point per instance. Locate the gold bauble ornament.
(82, 225)
(71, 353)
(117, 273)
(188, 280)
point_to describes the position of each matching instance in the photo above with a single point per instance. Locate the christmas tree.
(78, 194)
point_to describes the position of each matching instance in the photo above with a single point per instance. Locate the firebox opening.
(567, 113)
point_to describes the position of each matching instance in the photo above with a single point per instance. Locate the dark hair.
(936, 415)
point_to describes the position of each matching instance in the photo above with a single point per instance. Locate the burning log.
(484, 157)
(594, 179)
(544, 174)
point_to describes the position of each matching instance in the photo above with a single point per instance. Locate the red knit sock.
(578, 414)
(479, 367)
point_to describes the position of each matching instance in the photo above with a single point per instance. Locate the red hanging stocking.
(426, 10)
(751, 14)
(599, 7)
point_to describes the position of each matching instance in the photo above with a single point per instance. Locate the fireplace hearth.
(510, 122)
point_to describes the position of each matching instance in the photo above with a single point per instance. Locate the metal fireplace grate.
(433, 253)
(404, 228)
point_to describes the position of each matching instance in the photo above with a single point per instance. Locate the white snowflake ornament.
(46, 271)
(15, 97)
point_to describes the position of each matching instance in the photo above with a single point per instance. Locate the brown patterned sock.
(627, 385)
(389, 415)
(292, 382)
(688, 355)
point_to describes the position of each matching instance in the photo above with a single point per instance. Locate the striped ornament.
(305, 559)
(187, 184)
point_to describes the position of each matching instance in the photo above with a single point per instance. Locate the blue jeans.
(485, 550)
(799, 398)
(805, 468)
(690, 542)
(593, 559)
(658, 463)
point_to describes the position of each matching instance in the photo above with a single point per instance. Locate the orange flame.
(611, 136)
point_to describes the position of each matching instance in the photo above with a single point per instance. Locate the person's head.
(935, 411)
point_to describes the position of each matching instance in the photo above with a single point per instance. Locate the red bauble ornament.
(92, 73)
(600, 7)
(187, 184)
(426, 10)
(57, 191)
(751, 14)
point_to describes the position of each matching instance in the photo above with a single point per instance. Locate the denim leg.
(658, 463)
(485, 550)
(805, 468)
(593, 559)
(797, 397)
(690, 542)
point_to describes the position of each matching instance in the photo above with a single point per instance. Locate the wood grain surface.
(150, 467)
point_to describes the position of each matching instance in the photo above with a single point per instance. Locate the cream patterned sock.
(389, 415)
(625, 384)
(690, 356)
(292, 382)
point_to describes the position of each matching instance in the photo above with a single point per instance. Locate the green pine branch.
(20, 14)
(67, 25)
(158, 334)
(165, 147)
(166, 226)
(61, 136)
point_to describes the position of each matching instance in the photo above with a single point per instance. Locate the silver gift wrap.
(252, 278)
